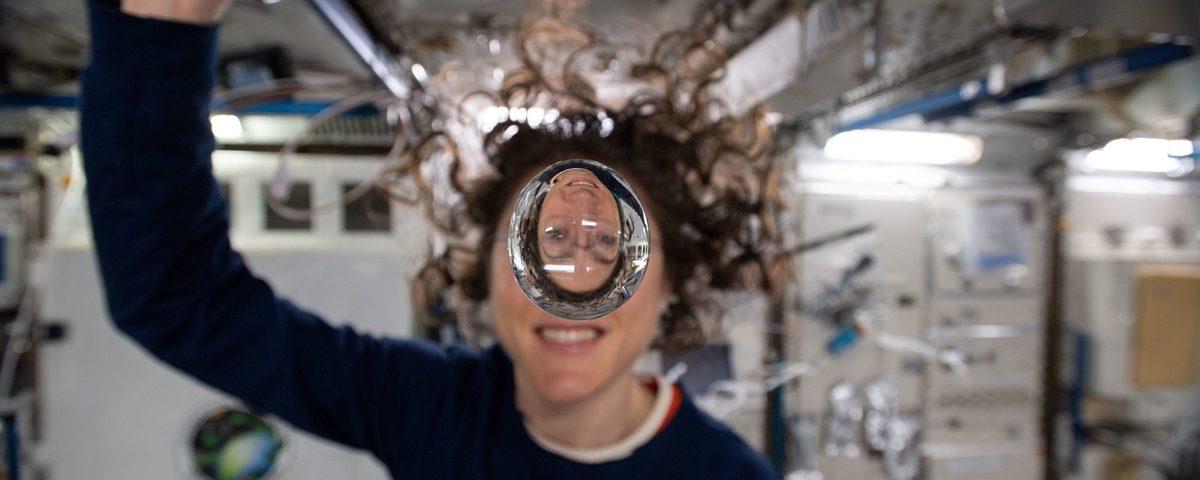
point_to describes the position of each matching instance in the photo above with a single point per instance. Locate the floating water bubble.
(578, 240)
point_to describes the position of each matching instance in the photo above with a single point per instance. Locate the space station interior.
(987, 233)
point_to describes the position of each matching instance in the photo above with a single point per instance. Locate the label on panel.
(1167, 327)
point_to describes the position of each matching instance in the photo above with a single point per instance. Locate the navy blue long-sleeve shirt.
(174, 285)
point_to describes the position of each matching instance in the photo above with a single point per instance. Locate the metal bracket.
(378, 59)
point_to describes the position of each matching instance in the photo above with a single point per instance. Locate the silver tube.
(381, 63)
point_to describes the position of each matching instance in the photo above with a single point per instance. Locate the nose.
(582, 238)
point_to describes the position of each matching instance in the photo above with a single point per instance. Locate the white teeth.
(568, 335)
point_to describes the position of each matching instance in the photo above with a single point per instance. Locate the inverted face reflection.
(578, 240)
(579, 231)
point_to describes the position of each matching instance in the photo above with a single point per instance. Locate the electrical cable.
(281, 181)
(16, 343)
(231, 99)
(12, 447)
(727, 396)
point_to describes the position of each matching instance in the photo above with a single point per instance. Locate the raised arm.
(174, 284)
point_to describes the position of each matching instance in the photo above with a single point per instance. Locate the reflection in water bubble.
(578, 241)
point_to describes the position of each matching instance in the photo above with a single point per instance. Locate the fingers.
(197, 12)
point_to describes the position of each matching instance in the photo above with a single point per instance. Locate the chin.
(566, 386)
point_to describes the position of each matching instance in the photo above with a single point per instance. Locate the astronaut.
(554, 398)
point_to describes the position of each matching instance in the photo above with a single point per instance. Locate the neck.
(607, 416)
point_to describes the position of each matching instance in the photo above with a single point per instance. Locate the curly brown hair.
(703, 172)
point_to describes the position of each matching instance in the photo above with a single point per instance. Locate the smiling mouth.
(581, 183)
(569, 336)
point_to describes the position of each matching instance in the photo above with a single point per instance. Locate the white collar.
(622, 448)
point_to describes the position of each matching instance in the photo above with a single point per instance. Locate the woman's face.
(579, 231)
(569, 360)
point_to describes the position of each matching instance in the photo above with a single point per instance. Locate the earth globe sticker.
(232, 444)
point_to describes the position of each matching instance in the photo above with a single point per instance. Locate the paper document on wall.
(995, 237)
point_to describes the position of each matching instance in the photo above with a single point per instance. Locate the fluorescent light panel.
(896, 146)
(879, 175)
(227, 128)
(1143, 155)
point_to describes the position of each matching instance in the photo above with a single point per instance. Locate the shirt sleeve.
(173, 283)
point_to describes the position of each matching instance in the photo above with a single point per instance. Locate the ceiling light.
(419, 73)
(906, 175)
(895, 146)
(226, 128)
(1143, 155)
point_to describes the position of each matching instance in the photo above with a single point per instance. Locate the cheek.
(643, 310)
(507, 301)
